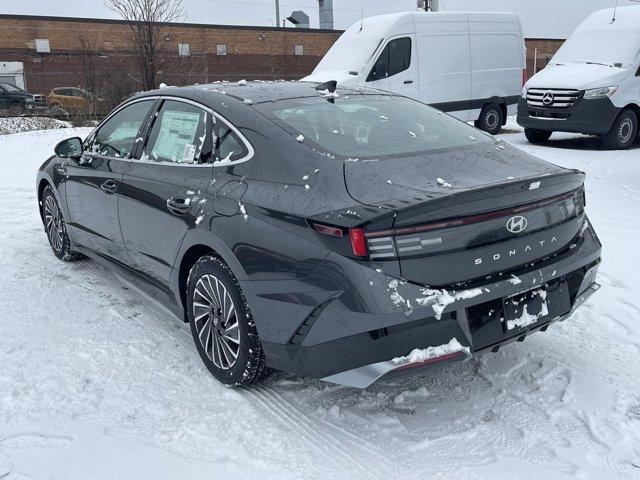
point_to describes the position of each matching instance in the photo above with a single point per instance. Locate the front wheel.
(17, 110)
(623, 132)
(56, 227)
(222, 326)
(537, 136)
(491, 119)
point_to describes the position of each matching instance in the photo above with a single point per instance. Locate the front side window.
(178, 134)
(117, 136)
(395, 58)
(372, 126)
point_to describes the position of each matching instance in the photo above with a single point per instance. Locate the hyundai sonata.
(343, 235)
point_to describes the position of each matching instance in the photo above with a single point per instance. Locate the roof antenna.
(615, 11)
(362, 19)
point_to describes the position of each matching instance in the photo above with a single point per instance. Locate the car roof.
(254, 92)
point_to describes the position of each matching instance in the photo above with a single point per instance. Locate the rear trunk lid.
(467, 214)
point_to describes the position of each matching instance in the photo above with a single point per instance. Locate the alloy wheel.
(216, 322)
(53, 223)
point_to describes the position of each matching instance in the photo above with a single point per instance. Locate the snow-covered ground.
(10, 125)
(97, 382)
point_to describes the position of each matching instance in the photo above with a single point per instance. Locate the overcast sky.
(541, 18)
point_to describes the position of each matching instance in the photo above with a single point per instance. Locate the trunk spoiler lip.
(476, 218)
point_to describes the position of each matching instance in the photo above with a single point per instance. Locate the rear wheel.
(222, 326)
(623, 132)
(537, 136)
(491, 119)
(56, 228)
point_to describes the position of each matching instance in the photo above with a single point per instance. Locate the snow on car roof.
(253, 92)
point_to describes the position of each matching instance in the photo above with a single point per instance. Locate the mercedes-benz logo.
(548, 98)
(517, 224)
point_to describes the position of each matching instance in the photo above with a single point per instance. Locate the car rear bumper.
(591, 117)
(353, 322)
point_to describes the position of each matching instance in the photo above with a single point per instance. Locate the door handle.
(408, 82)
(109, 186)
(179, 206)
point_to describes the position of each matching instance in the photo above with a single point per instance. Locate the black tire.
(537, 136)
(56, 228)
(624, 131)
(220, 332)
(17, 110)
(491, 119)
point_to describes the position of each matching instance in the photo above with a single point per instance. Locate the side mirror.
(69, 148)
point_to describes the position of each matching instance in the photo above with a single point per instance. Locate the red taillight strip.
(432, 361)
(470, 219)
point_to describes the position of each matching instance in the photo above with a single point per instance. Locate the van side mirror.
(69, 148)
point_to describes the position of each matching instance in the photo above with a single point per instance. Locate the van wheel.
(491, 119)
(537, 136)
(623, 132)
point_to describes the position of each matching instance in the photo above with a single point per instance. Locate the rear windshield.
(372, 126)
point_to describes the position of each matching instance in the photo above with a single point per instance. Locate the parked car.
(74, 100)
(471, 65)
(344, 236)
(591, 85)
(16, 101)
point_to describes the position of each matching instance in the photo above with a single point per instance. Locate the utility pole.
(277, 12)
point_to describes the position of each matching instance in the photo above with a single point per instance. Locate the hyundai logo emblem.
(548, 98)
(517, 224)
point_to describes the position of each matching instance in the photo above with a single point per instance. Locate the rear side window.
(229, 146)
(178, 134)
(395, 58)
(117, 136)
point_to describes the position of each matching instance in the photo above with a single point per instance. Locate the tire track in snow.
(342, 436)
(318, 437)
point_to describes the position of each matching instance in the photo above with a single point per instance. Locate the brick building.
(539, 52)
(97, 54)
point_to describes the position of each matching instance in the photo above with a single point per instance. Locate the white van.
(592, 84)
(470, 65)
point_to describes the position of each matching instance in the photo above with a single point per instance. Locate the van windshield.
(349, 54)
(371, 126)
(607, 48)
(10, 88)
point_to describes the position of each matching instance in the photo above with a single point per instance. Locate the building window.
(42, 45)
(298, 50)
(183, 49)
(221, 49)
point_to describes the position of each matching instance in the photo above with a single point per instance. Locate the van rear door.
(497, 59)
(445, 62)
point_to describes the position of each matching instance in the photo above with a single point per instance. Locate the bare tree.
(148, 21)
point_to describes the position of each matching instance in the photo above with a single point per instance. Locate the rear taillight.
(357, 237)
(358, 242)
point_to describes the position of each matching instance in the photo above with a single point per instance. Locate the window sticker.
(189, 153)
(176, 137)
